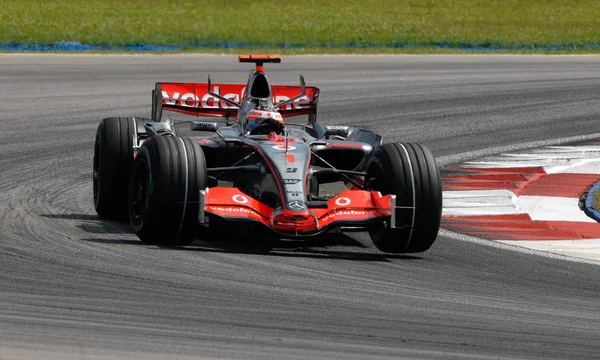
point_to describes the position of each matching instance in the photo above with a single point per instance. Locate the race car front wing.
(350, 208)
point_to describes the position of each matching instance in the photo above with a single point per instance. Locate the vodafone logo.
(344, 213)
(240, 199)
(206, 101)
(189, 96)
(342, 201)
(283, 148)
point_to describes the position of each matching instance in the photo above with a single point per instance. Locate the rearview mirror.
(297, 97)
(217, 96)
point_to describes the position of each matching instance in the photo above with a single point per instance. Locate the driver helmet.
(257, 116)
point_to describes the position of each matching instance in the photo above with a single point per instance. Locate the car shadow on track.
(331, 246)
(116, 241)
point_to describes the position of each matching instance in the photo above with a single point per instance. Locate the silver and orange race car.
(217, 157)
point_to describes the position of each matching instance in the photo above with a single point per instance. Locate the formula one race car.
(250, 171)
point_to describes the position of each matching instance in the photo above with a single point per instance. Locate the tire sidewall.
(409, 171)
(113, 158)
(169, 217)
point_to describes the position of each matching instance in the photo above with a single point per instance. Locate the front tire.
(408, 171)
(168, 174)
(113, 158)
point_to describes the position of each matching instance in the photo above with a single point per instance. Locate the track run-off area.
(73, 286)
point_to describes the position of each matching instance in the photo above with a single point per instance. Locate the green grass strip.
(557, 25)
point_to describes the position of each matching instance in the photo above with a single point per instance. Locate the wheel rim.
(142, 188)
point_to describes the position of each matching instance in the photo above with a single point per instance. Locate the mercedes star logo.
(296, 205)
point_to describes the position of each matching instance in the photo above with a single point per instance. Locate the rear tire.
(113, 158)
(167, 175)
(408, 171)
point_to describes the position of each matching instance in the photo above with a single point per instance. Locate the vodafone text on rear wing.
(195, 99)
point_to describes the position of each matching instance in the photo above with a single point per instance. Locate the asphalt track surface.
(73, 286)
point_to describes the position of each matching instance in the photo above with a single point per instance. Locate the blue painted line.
(589, 199)
(76, 46)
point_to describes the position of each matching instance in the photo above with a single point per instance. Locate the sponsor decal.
(291, 181)
(203, 125)
(283, 148)
(261, 114)
(296, 104)
(291, 170)
(294, 193)
(207, 101)
(296, 205)
(342, 201)
(240, 199)
(344, 146)
(337, 130)
(348, 213)
(232, 209)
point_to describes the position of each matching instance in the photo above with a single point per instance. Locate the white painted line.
(459, 194)
(567, 159)
(551, 208)
(592, 166)
(479, 202)
(588, 249)
(554, 159)
(470, 202)
(449, 160)
(517, 246)
(481, 211)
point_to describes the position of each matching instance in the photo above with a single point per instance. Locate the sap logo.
(291, 181)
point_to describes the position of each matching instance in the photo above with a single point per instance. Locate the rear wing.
(194, 99)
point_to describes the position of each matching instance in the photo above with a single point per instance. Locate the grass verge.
(346, 26)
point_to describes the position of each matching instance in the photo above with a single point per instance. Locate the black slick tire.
(408, 171)
(113, 158)
(168, 174)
